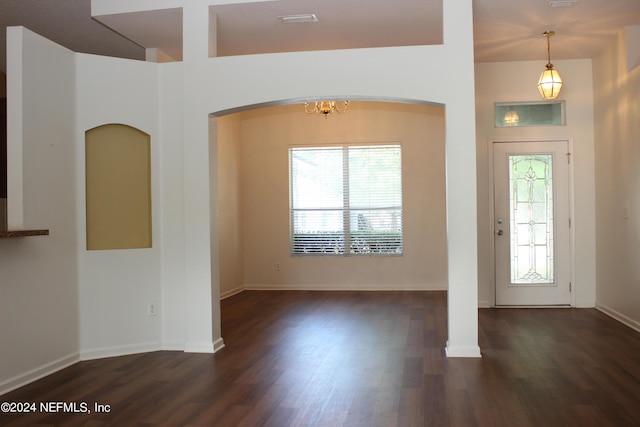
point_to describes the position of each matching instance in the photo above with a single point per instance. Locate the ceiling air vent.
(296, 19)
(562, 3)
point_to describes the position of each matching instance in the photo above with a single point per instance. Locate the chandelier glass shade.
(325, 107)
(550, 82)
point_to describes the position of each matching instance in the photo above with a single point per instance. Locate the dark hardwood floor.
(362, 359)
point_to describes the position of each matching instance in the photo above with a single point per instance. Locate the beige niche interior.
(118, 187)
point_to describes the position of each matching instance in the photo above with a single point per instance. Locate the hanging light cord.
(548, 35)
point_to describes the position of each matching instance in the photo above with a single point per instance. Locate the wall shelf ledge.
(22, 233)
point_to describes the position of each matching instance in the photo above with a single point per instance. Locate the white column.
(15, 210)
(462, 233)
(198, 277)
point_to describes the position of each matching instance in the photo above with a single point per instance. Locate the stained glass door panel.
(531, 204)
(532, 223)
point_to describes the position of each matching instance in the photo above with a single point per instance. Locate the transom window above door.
(520, 114)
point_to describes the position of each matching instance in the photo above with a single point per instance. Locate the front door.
(532, 223)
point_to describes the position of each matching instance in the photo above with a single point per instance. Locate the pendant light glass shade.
(550, 82)
(511, 118)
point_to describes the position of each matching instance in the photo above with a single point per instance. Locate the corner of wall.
(3, 85)
(39, 293)
(632, 36)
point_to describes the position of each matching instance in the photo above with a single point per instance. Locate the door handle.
(499, 232)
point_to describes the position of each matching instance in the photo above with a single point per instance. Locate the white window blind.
(346, 200)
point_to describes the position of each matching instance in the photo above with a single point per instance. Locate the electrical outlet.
(151, 309)
(277, 266)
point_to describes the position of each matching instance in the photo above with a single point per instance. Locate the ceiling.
(504, 30)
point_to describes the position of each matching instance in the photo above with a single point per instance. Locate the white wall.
(116, 285)
(172, 216)
(618, 183)
(266, 136)
(516, 82)
(38, 275)
(60, 301)
(201, 286)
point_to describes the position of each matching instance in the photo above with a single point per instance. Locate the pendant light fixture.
(550, 82)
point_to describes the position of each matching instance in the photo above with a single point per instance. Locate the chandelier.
(325, 107)
(550, 82)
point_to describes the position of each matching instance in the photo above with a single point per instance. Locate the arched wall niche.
(118, 187)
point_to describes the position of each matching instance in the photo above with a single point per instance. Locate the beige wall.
(229, 205)
(516, 82)
(265, 136)
(618, 183)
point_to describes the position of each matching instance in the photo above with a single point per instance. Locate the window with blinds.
(346, 200)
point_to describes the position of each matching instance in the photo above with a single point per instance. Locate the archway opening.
(250, 182)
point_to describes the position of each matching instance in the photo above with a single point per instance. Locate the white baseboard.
(232, 292)
(199, 347)
(101, 353)
(123, 350)
(633, 324)
(463, 351)
(172, 346)
(37, 373)
(345, 287)
(193, 348)
(218, 345)
(481, 304)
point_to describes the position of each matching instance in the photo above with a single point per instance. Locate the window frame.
(394, 247)
(525, 113)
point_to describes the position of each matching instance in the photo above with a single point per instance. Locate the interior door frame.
(491, 220)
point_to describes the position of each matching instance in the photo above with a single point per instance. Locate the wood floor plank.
(362, 359)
